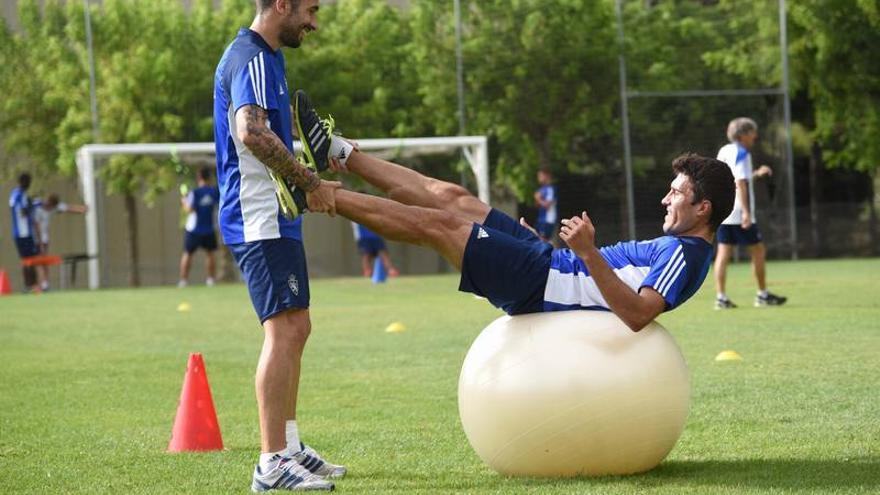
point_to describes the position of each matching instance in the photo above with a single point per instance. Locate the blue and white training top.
(250, 73)
(201, 201)
(547, 193)
(361, 232)
(22, 214)
(673, 266)
(738, 158)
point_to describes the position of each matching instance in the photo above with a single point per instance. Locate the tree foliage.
(540, 76)
(355, 68)
(537, 79)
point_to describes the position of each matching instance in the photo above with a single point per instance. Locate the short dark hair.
(24, 180)
(265, 4)
(712, 180)
(205, 173)
(52, 200)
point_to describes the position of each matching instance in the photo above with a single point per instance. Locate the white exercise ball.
(572, 393)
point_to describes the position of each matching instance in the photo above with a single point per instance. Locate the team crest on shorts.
(293, 283)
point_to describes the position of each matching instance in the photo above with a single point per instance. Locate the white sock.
(209, 281)
(762, 293)
(292, 433)
(340, 149)
(722, 296)
(267, 463)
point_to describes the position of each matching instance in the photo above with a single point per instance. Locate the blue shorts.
(26, 247)
(371, 245)
(545, 229)
(193, 241)
(507, 264)
(735, 234)
(276, 274)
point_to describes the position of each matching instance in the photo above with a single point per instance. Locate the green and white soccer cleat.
(291, 202)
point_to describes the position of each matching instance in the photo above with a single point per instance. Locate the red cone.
(195, 427)
(5, 286)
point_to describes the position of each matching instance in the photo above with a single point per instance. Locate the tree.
(39, 70)
(154, 62)
(354, 67)
(539, 86)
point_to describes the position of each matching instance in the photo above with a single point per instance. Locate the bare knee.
(722, 255)
(447, 192)
(288, 330)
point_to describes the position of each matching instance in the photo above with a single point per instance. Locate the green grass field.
(89, 384)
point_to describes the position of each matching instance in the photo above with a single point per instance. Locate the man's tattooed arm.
(251, 122)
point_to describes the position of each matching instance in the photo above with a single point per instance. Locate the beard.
(290, 38)
(291, 34)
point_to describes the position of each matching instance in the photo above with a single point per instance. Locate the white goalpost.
(475, 150)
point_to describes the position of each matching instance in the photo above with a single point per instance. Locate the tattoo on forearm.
(269, 149)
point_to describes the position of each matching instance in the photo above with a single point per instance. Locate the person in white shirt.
(43, 210)
(741, 226)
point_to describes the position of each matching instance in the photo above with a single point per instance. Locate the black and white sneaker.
(288, 474)
(312, 460)
(769, 300)
(315, 133)
(724, 304)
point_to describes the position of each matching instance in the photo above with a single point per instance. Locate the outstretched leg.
(437, 229)
(409, 187)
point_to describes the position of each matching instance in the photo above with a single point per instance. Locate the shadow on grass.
(861, 472)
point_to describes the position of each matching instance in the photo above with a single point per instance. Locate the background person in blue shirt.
(199, 232)
(24, 233)
(372, 246)
(255, 164)
(545, 199)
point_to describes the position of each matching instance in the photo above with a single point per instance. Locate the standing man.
(372, 246)
(255, 162)
(23, 233)
(741, 227)
(199, 229)
(545, 198)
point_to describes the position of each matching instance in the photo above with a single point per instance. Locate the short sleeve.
(254, 85)
(669, 273)
(191, 199)
(742, 170)
(62, 207)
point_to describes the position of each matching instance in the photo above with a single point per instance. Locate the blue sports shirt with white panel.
(22, 209)
(250, 73)
(202, 201)
(361, 232)
(547, 215)
(675, 267)
(738, 158)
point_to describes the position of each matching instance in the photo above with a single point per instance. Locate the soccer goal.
(90, 157)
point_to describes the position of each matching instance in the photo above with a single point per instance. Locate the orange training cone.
(195, 427)
(5, 287)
